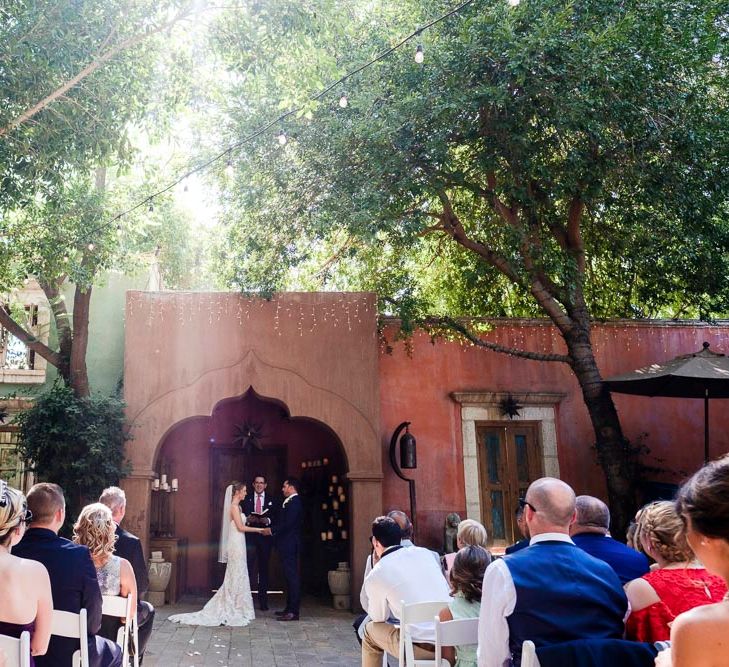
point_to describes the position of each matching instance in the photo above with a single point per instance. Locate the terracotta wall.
(416, 382)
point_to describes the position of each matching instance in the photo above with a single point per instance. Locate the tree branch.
(90, 69)
(27, 338)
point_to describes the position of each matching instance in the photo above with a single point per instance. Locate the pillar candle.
(335, 505)
(340, 523)
(325, 461)
(331, 489)
(175, 484)
(164, 480)
(324, 506)
(340, 490)
(342, 498)
(155, 485)
(323, 537)
(335, 479)
(344, 534)
(330, 535)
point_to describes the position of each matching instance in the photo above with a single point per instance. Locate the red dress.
(679, 590)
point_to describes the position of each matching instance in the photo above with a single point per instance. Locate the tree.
(560, 158)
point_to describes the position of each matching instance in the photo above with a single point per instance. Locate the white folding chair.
(73, 626)
(17, 651)
(418, 612)
(121, 607)
(461, 632)
(529, 654)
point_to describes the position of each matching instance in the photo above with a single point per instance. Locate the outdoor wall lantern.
(408, 460)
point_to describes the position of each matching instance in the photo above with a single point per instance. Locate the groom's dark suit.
(287, 534)
(259, 551)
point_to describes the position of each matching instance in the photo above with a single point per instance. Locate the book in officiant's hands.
(258, 519)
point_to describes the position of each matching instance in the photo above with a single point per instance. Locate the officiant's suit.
(259, 546)
(287, 536)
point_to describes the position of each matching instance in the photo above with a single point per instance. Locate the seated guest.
(589, 532)
(521, 524)
(470, 533)
(25, 589)
(699, 636)
(400, 574)
(129, 547)
(466, 579)
(96, 530)
(72, 575)
(680, 583)
(550, 592)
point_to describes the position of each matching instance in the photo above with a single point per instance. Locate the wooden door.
(509, 459)
(230, 464)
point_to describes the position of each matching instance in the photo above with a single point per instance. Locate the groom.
(287, 537)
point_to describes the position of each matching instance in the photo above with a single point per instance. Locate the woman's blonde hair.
(95, 529)
(12, 510)
(660, 525)
(471, 532)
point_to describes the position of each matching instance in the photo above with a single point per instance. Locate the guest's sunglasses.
(523, 503)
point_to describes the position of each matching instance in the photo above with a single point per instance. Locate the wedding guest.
(523, 529)
(590, 533)
(699, 636)
(466, 580)
(128, 546)
(550, 592)
(680, 583)
(25, 589)
(401, 574)
(470, 532)
(96, 530)
(73, 578)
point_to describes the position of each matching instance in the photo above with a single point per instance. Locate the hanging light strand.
(280, 119)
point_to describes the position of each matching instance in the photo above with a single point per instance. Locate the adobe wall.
(417, 386)
(315, 352)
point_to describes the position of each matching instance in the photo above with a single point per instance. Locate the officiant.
(260, 509)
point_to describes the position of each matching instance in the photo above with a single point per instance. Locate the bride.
(233, 603)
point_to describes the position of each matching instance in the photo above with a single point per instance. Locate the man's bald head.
(402, 520)
(593, 516)
(552, 506)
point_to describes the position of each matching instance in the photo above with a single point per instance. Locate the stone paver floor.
(323, 636)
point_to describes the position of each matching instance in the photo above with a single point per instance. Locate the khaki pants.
(379, 637)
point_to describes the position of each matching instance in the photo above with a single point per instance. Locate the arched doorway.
(245, 436)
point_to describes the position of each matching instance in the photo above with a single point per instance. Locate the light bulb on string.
(513, 3)
(151, 207)
(229, 171)
(419, 54)
(119, 230)
(91, 246)
(282, 138)
(343, 101)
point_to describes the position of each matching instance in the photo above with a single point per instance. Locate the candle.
(165, 487)
(324, 506)
(344, 534)
(335, 505)
(155, 484)
(330, 535)
(325, 461)
(340, 490)
(331, 489)
(164, 480)
(323, 537)
(175, 484)
(335, 479)
(331, 519)
(342, 498)
(340, 523)
(303, 464)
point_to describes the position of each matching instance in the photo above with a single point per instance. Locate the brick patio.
(322, 636)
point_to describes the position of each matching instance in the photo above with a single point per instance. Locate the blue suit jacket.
(627, 563)
(74, 587)
(287, 529)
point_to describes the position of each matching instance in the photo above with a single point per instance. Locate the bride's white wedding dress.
(233, 603)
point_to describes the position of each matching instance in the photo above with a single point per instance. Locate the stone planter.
(339, 582)
(159, 578)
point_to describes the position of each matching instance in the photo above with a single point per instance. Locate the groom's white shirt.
(288, 498)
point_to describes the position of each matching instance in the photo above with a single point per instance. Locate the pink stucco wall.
(416, 387)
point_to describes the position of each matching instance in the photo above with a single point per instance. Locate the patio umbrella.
(703, 374)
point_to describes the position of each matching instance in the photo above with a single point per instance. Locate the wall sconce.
(408, 460)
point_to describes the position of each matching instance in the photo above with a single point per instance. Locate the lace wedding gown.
(233, 603)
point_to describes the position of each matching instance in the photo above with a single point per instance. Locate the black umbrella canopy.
(703, 374)
(687, 376)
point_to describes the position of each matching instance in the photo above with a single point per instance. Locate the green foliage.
(622, 107)
(76, 443)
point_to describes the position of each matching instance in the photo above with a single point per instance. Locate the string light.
(343, 101)
(119, 230)
(282, 138)
(229, 171)
(91, 247)
(151, 206)
(314, 98)
(419, 54)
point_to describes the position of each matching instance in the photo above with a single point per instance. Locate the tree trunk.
(79, 376)
(613, 451)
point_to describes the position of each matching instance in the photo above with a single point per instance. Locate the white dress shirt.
(498, 601)
(288, 498)
(408, 574)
